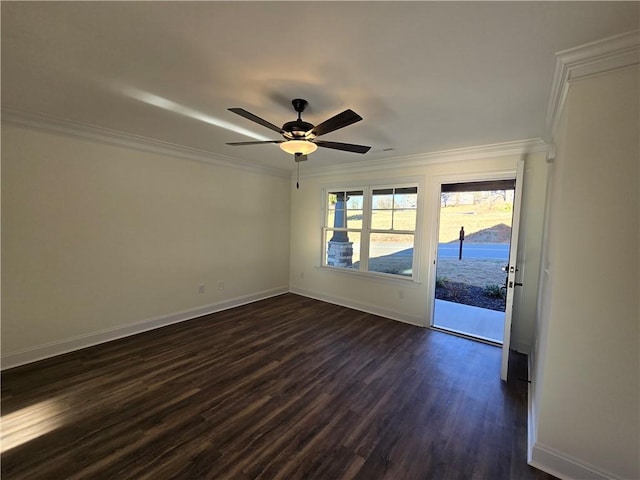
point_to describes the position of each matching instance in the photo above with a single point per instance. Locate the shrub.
(456, 291)
(493, 291)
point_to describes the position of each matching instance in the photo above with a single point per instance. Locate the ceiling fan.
(300, 137)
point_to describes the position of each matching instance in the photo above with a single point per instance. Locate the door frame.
(435, 191)
(513, 268)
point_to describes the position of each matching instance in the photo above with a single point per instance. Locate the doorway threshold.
(468, 321)
(474, 338)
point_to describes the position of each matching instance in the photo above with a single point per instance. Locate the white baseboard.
(531, 413)
(552, 461)
(563, 466)
(373, 309)
(67, 345)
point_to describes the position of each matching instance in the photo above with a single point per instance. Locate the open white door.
(513, 268)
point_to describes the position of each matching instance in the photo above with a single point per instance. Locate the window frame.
(366, 229)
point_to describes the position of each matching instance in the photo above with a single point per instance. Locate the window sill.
(380, 277)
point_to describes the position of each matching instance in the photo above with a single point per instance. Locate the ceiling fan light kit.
(303, 147)
(300, 136)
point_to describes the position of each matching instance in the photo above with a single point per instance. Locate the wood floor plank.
(285, 388)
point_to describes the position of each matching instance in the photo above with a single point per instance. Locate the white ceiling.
(425, 76)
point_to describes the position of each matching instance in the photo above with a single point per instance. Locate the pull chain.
(298, 176)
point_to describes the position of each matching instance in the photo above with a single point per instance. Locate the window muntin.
(381, 218)
(394, 209)
(393, 225)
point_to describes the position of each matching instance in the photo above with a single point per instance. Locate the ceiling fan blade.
(254, 143)
(254, 118)
(334, 123)
(347, 147)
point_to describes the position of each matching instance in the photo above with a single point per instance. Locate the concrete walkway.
(474, 321)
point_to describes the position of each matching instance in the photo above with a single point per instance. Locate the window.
(371, 229)
(343, 228)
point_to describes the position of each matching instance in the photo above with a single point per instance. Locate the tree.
(448, 198)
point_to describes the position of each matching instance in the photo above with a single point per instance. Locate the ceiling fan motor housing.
(297, 128)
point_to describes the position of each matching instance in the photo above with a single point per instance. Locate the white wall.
(586, 402)
(100, 241)
(401, 299)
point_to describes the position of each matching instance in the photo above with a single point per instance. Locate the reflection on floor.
(468, 320)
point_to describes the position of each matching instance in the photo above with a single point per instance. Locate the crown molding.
(47, 123)
(520, 147)
(593, 58)
(61, 126)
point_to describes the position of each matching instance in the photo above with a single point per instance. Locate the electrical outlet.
(301, 275)
(401, 294)
(220, 285)
(201, 288)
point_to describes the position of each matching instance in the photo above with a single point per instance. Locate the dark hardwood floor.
(284, 388)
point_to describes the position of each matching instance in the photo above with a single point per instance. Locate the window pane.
(381, 219)
(405, 200)
(354, 219)
(343, 206)
(404, 220)
(337, 218)
(342, 249)
(391, 253)
(331, 214)
(331, 200)
(382, 201)
(406, 190)
(354, 200)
